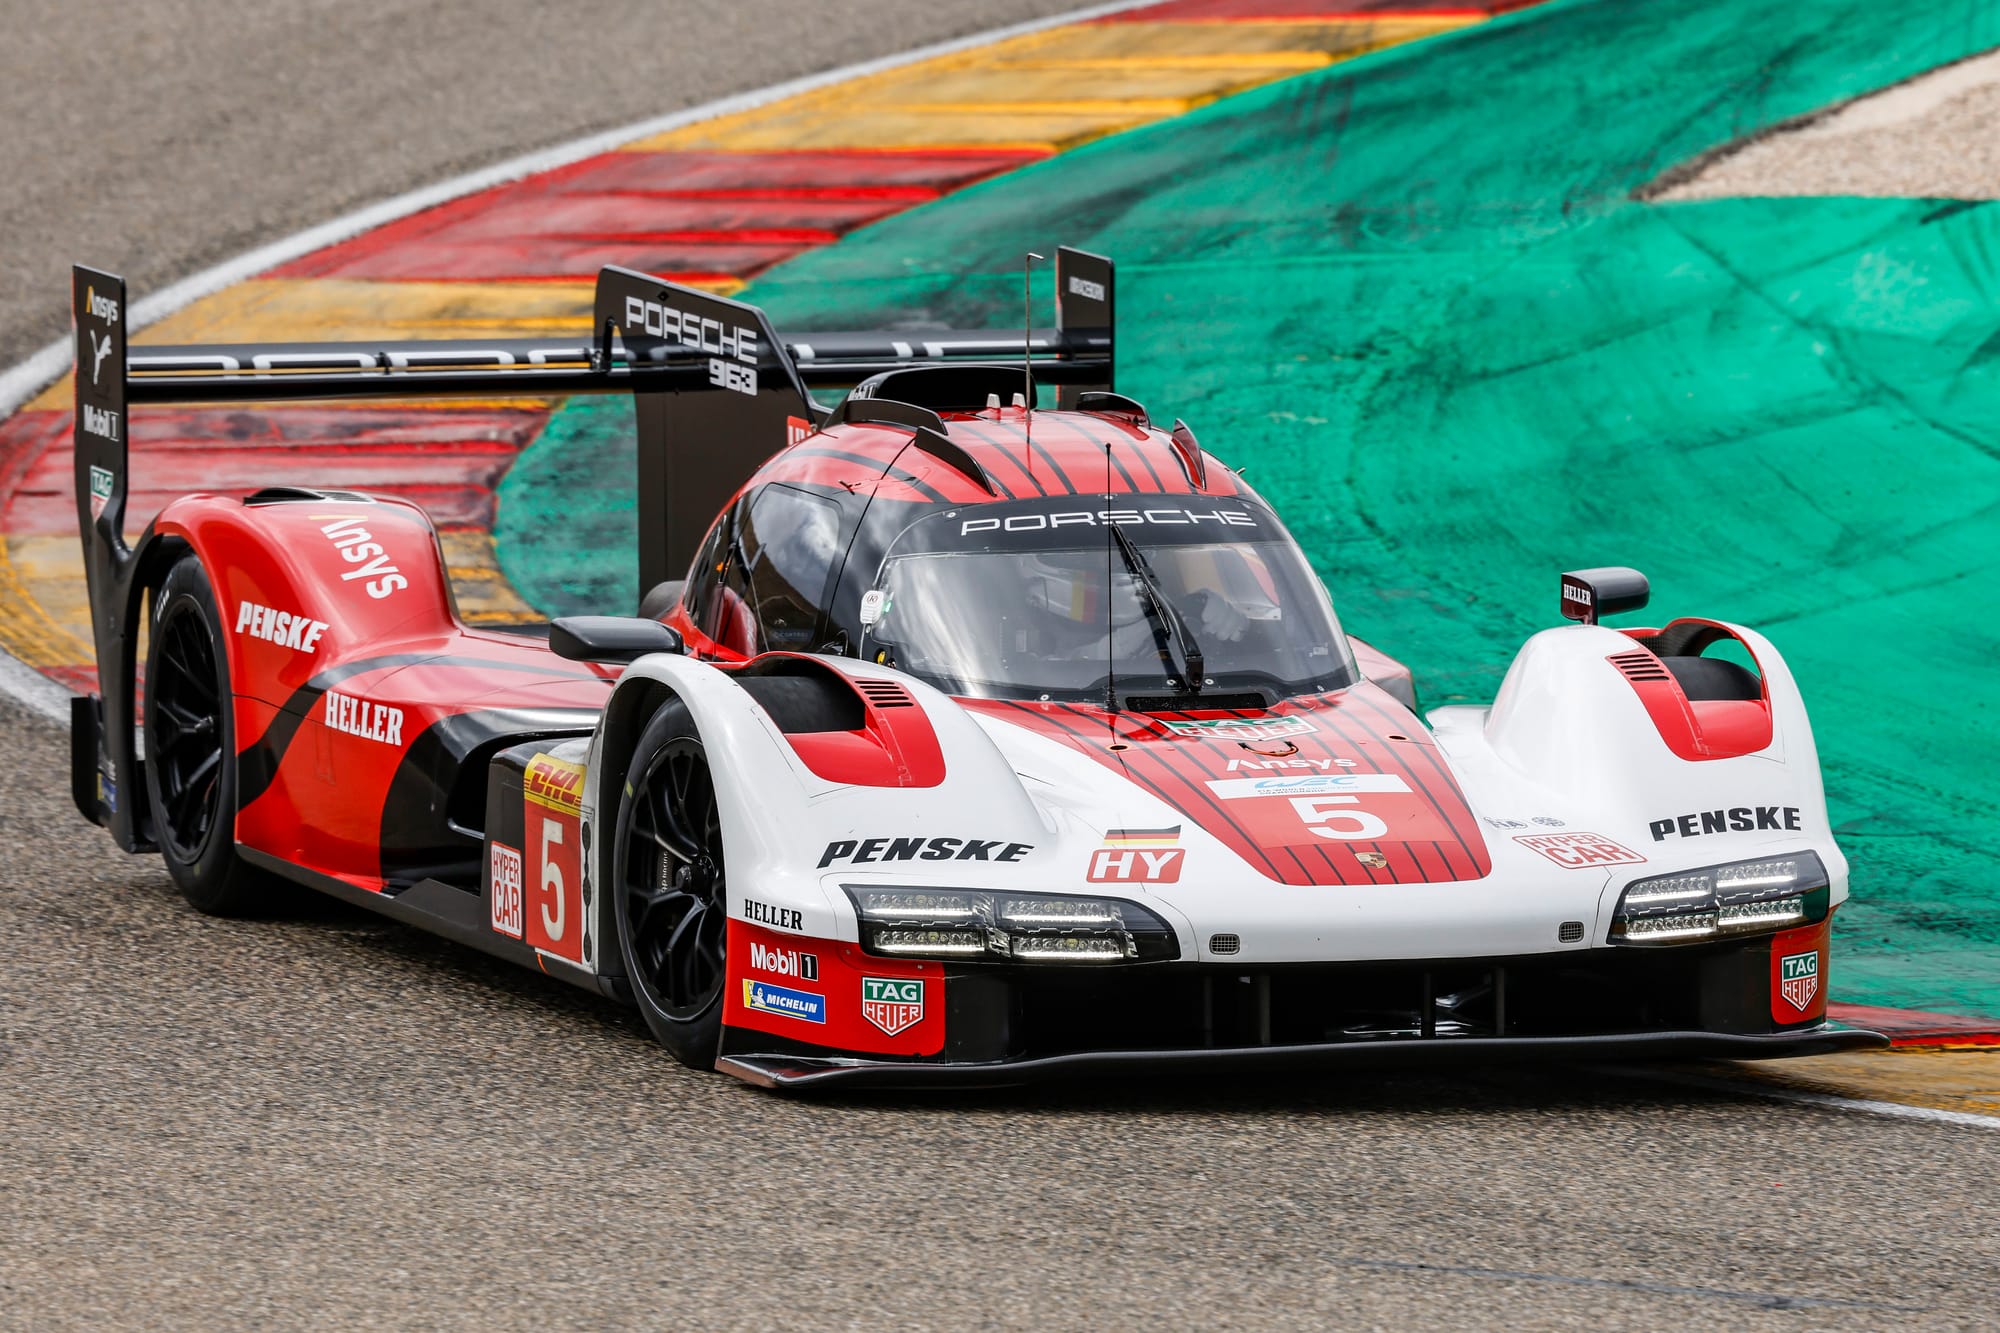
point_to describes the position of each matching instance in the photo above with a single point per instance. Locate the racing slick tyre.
(190, 732)
(672, 901)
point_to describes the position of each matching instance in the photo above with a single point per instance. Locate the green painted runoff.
(1418, 297)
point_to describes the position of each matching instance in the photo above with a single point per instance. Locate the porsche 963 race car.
(958, 738)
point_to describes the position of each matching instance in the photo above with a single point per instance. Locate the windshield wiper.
(1163, 613)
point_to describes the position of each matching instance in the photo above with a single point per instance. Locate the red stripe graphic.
(1430, 834)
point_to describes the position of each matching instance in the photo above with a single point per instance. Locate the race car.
(959, 738)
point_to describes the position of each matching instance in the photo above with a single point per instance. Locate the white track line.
(17, 385)
(1758, 1088)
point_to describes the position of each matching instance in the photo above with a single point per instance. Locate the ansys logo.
(1798, 978)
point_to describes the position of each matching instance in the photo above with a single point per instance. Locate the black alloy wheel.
(190, 748)
(672, 895)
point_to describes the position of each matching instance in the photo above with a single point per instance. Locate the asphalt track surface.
(327, 1117)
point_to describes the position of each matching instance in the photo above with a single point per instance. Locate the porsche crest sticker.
(892, 1003)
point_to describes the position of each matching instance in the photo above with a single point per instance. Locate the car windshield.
(1032, 601)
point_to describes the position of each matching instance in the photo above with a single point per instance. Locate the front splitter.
(792, 1072)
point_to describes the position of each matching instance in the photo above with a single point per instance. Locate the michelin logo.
(768, 999)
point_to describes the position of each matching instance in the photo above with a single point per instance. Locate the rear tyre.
(672, 900)
(190, 732)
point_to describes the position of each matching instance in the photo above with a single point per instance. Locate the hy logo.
(1798, 979)
(892, 1003)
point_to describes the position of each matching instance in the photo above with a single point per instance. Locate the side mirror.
(611, 638)
(1590, 593)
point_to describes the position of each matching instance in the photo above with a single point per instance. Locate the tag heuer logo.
(1798, 979)
(892, 1004)
(101, 482)
(1240, 728)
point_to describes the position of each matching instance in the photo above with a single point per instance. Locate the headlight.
(1742, 898)
(1009, 927)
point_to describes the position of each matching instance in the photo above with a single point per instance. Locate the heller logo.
(785, 962)
(358, 717)
(768, 999)
(1579, 851)
(1240, 728)
(782, 918)
(1146, 856)
(284, 628)
(892, 1003)
(359, 547)
(507, 877)
(101, 484)
(1574, 593)
(1798, 979)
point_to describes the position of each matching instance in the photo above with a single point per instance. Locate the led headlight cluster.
(1742, 898)
(972, 926)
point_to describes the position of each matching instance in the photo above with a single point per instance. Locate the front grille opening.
(1224, 943)
(1569, 932)
(1574, 994)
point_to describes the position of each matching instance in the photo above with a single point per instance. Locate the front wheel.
(190, 732)
(672, 900)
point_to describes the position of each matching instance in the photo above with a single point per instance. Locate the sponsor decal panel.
(865, 1005)
(100, 422)
(1286, 765)
(1323, 808)
(892, 1003)
(1323, 784)
(287, 629)
(797, 429)
(1143, 856)
(782, 918)
(1579, 851)
(1798, 974)
(505, 873)
(357, 717)
(101, 484)
(1736, 819)
(1109, 518)
(1798, 978)
(1239, 728)
(869, 851)
(784, 962)
(551, 821)
(765, 998)
(371, 559)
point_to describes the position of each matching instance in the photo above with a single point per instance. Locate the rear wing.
(716, 391)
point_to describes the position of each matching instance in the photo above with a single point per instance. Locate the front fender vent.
(1640, 665)
(884, 693)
